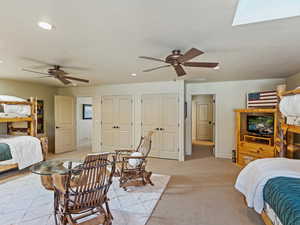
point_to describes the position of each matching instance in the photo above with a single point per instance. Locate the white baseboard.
(223, 155)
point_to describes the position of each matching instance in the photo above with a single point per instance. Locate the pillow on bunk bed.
(21, 110)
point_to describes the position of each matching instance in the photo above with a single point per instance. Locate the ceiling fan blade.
(190, 54)
(37, 61)
(32, 71)
(151, 58)
(63, 80)
(77, 79)
(75, 67)
(44, 77)
(156, 68)
(179, 70)
(201, 64)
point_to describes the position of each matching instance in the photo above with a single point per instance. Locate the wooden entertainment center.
(251, 146)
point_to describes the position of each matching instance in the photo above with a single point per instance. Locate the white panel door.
(169, 126)
(204, 117)
(108, 132)
(123, 118)
(151, 120)
(96, 135)
(64, 124)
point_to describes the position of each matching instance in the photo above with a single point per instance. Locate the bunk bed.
(272, 186)
(20, 147)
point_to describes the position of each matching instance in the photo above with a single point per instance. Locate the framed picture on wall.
(87, 111)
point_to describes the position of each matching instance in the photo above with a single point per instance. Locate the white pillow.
(135, 162)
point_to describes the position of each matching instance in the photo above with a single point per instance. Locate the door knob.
(209, 122)
(57, 127)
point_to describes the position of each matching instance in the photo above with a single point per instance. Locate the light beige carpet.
(23, 201)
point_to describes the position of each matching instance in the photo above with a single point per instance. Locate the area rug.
(23, 201)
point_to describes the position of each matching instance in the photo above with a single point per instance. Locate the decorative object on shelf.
(87, 111)
(264, 99)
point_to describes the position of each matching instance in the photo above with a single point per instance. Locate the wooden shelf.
(254, 110)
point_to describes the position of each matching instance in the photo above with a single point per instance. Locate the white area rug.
(23, 201)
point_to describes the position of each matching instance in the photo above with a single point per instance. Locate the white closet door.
(108, 134)
(151, 120)
(169, 125)
(96, 140)
(124, 123)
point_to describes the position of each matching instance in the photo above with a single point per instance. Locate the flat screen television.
(260, 125)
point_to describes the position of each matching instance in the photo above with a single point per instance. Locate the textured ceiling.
(108, 36)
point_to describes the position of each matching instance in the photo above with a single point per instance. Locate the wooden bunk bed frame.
(285, 139)
(31, 124)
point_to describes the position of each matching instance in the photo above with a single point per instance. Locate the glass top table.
(56, 166)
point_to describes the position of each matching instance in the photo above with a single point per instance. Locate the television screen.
(261, 125)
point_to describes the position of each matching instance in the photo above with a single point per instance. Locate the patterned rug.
(23, 201)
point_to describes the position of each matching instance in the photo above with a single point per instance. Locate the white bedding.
(20, 110)
(290, 105)
(25, 150)
(254, 176)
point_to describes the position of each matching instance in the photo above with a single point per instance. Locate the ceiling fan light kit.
(178, 60)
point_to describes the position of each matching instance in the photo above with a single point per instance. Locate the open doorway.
(203, 125)
(84, 123)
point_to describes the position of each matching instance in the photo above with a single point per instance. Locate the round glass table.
(56, 166)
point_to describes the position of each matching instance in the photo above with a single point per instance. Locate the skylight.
(254, 11)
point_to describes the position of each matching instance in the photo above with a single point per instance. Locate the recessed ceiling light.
(133, 74)
(217, 68)
(45, 25)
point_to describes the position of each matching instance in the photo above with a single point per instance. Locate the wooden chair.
(134, 175)
(83, 192)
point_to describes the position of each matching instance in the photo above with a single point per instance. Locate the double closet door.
(116, 121)
(160, 114)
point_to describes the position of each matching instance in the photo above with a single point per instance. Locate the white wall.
(26, 90)
(136, 91)
(229, 95)
(293, 81)
(83, 127)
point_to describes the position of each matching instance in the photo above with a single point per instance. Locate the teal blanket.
(5, 153)
(283, 195)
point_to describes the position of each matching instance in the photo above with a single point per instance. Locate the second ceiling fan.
(178, 60)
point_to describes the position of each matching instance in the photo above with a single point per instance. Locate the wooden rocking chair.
(131, 164)
(83, 193)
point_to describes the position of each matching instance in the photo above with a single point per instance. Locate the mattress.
(5, 153)
(282, 194)
(12, 115)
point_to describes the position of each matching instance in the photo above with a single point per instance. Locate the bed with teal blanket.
(282, 194)
(5, 153)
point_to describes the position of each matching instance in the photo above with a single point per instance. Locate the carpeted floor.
(200, 191)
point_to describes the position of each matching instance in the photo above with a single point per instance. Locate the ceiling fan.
(57, 73)
(177, 60)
